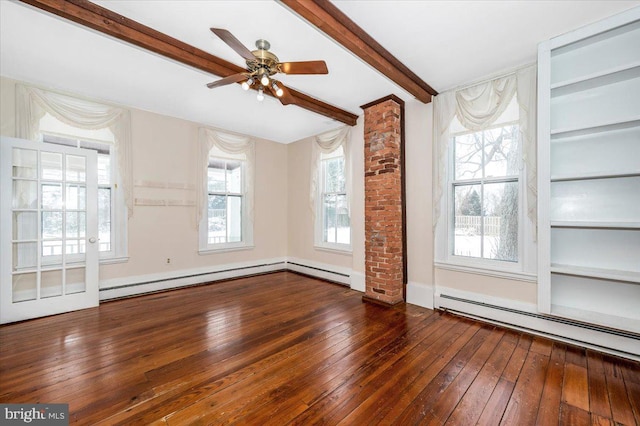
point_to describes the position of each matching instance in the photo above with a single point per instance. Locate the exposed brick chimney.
(384, 207)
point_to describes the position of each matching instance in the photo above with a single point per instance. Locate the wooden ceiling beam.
(108, 22)
(337, 25)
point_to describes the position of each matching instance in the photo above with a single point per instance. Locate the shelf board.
(586, 224)
(600, 127)
(600, 78)
(588, 176)
(591, 317)
(607, 274)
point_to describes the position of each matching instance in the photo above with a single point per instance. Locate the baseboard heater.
(319, 269)
(319, 272)
(191, 280)
(616, 342)
(221, 271)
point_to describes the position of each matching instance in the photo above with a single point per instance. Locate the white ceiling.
(446, 43)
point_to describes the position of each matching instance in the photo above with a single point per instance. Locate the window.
(226, 222)
(485, 193)
(484, 187)
(224, 203)
(333, 227)
(224, 198)
(485, 224)
(111, 209)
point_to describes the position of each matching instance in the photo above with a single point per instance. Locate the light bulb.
(277, 89)
(246, 85)
(260, 95)
(264, 80)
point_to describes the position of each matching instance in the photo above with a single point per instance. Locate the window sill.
(210, 250)
(497, 273)
(344, 250)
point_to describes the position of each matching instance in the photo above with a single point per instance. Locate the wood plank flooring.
(287, 349)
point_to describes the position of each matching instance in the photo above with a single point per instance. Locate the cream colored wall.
(7, 107)
(301, 219)
(418, 119)
(418, 193)
(357, 196)
(175, 162)
(164, 151)
(503, 288)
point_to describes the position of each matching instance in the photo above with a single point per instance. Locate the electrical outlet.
(168, 260)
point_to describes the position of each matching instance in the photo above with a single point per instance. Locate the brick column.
(384, 207)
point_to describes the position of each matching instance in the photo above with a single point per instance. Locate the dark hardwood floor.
(283, 348)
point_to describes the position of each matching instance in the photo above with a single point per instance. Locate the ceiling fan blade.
(306, 67)
(233, 43)
(227, 80)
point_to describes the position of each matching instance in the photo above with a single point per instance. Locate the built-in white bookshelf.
(589, 174)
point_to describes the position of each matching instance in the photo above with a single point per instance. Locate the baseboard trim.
(614, 342)
(358, 281)
(420, 294)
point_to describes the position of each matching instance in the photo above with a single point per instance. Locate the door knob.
(92, 240)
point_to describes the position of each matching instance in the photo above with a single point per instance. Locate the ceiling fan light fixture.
(262, 65)
(246, 85)
(277, 89)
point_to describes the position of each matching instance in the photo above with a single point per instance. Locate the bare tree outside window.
(336, 227)
(486, 193)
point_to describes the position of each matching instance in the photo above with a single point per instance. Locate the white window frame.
(319, 241)
(246, 241)
(524, 268)
(118, 252)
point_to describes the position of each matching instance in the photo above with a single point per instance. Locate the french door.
(48, 229)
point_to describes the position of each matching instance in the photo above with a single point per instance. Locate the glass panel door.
(49, 227)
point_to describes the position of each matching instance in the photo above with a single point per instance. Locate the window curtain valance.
(479, 106)
(327, 143)
(33, 103)
(230, 144)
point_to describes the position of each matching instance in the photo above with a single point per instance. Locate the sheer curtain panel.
(231, 144)
(479, 106)
(326, 143)
(33, 103)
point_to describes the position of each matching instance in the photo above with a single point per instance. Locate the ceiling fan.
(261, 66)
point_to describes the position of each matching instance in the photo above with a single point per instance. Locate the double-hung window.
(484, 204)
(224, 201)
(485, 192)
(333, 229)
(225, 191)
